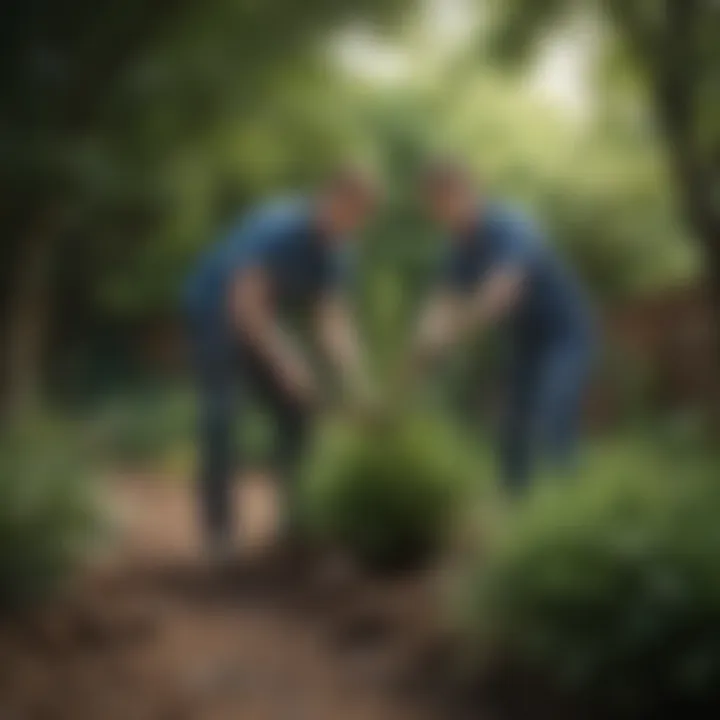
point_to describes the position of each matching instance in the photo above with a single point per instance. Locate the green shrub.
(144, 428)
(389, 493)
(158, 430)
(47, 512)
(610, 589)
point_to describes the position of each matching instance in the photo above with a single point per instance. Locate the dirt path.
(151, 634)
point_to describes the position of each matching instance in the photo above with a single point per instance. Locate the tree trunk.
(704, 221)
(27, 323)
(695, 180)
(712, 244)
(674, 66)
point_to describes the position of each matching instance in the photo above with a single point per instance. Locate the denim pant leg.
(518, 444)
(292, 425)
(215, 383)
(547, 386)
(216, 463)
(565, 375)
(291, 420)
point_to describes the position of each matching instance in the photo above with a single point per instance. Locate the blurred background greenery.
(130, 135)
(131, 132)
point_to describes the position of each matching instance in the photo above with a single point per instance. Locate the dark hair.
(351, 180)
(445, 175)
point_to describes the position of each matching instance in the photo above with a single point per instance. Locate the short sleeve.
(514, 242)
(258, 243)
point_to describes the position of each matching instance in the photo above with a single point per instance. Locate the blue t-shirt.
(553, 302)
(279, 237)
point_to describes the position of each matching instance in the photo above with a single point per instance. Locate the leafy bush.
(610, 589)
(159, 428)
(144, 428)
(388, 493)
(47, 512)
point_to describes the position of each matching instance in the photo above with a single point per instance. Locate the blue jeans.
(227, 375)
(548, 379)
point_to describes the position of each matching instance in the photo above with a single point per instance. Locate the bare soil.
(150, 632)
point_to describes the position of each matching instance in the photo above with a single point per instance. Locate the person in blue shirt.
(284, 258)
(498, 266)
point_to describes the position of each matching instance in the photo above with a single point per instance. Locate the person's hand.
(367, 405)
(416, 368)
(300, 384)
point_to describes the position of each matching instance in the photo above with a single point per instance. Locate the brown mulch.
(150, 633)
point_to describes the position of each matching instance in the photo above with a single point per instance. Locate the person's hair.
(352, 181)
(445, 175)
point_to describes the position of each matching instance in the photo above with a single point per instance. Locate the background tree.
(103, 103)
(673, 47)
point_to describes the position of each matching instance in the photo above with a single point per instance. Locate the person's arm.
(468, 305)
(450, 318)
(254, 318)
(339, 340)
(336, 330)
(494, 298)
(438, 327)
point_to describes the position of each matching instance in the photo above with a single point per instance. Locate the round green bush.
(611, 591)
(47, 512)
(388, 493)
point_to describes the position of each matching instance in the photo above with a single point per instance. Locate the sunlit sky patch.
(560, 73)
